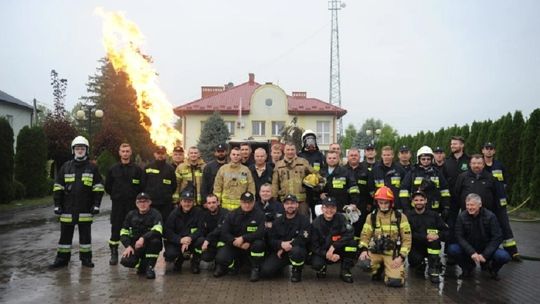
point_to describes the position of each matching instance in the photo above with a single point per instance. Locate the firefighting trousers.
(209, 254)
(273, 264)
(385, 261)
(429, 250)
(118, 213)
(146, 255)
(348, 254)
(66, 238)
(230, 256)
(173, 252)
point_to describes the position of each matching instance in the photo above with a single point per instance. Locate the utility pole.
(335, 81)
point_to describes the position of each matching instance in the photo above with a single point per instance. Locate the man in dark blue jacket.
(478, 236)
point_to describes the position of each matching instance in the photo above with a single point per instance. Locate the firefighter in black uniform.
(426, 178)
(183, 229)
(366, 186)
(211, 169)
(141, 236)
(242, 234)
(288, 239)
(123, 182)
(455, 164)
(213, 218)
(480, 181)
(340, 183)
(428, 231)
(389, 174)
(438, 159)
(370, 155)
(496, 168)
(332, 241)
(271, 208)
(159, 181)
(404, 157)
(77, 197)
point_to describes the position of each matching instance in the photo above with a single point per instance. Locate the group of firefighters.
(293, 209)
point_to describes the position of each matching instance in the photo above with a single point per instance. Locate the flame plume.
(122, 40)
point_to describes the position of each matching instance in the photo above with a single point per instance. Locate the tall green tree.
(513, 167)
(213, 133)
(528, 148)
(113, 93)
(347, 140)
(387, 133)
(6, 161)
(535, 178)
(31, 161)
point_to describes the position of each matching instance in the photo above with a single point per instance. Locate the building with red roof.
(254, 111)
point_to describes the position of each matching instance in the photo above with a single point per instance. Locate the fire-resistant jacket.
(159, 181)
(296, 229)
(231, 181)
(386, 224)
(123, 182)
(190, 175)
(137, 225)
(248, 225)
(390, 177)
(431, 182)
(336, 232)
(288, 178)
(181, 224)
(77, 190)
(341, 185)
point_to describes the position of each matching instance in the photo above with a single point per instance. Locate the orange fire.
(123, 40)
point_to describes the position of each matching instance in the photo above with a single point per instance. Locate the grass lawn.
(26, 203)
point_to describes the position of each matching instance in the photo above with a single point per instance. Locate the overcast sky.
(415, 64)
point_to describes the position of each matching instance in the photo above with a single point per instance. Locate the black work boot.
(178, 264)
(150, 273)
(141, 269)
(346, 275)
(321, 273)
(114, 255)
(255, 274)
(59, 263)
(87, 262)
(219, 271)
(434, 267)
(378, 275)
(195, 264)
(296, 274)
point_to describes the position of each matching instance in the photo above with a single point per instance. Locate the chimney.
(251, 78)
(299, 95)
(209, 91)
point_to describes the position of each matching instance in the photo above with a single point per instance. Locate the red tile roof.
(227, 102)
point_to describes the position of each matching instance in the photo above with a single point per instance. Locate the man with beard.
(232, 180)
(428, 231)
(159, 181)
(245, 154)
(213, 218)
(455, 164)
(189, 175)
(480, 181)
(123, 184)
(386, 240)
(211, 169)
(288, 239)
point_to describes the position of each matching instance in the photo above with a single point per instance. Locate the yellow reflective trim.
(220, 244)
(125, 231)
(338, 184)
(257, 254)
(433, 251)
(404, 251)
(379, 183)
(135, 181)
(418, 180)
(354, 189)
(509, 243)
(432, 231)
(251, 228)
(193, 230)
(435, 205)
(362, 182)
(403, 193)
(167, 181)
(158, 228)
(350, 249)
(363, 245)
(296, 263)
(154, 171)
(114, 243)
(503, 202)
(69, 179)
(151, 255)
(405, 226)
(445, 193)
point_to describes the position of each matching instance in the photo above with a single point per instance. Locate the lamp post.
(373, 134)
(88, 111)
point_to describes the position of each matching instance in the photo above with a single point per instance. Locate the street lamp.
(85, 113)
(373, 135)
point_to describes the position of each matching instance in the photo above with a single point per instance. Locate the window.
(257, 128)
(268, 102)
(277, 127)
(230, 126)
(323, 132)
(202, 124)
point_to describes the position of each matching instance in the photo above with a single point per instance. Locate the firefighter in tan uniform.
(189, 175)
(288, 178)
(386, 240)
(232, 180)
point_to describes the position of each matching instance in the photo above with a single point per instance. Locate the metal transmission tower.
(335, 82)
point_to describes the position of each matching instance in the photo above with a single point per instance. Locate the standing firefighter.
(77, 197)
(141, 236)
(386, 240)
(122, 183)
